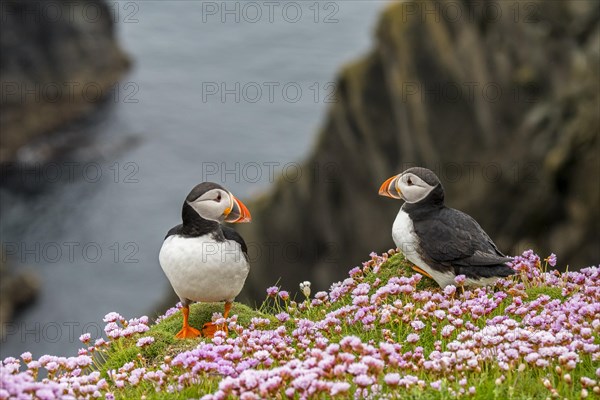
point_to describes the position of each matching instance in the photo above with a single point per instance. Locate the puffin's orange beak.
(390, 189)
(238, 212)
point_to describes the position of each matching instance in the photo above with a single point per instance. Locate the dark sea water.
(236, 102)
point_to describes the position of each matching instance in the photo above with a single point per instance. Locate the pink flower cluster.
(117, 327)
(68, 377)
(371, 335)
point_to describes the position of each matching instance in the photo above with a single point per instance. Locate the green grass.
(552, 292)
(398, 265)
(165, 344)
(524, 384)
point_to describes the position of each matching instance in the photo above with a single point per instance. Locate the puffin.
(204, 260)
(441, 242)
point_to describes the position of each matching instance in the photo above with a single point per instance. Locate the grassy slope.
(165, 343)
(523, 385)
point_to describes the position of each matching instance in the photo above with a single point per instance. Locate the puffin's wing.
(174, 230)
(231, 234)
(481, 259)
(454, 238)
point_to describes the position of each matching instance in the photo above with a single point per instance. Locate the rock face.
(59, 59)
(500, 99)
(17, 289)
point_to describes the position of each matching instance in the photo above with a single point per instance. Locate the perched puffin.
(204, 260)
(442, 242)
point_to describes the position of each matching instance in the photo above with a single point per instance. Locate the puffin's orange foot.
(210, 328)
(419, 270)
(187, 332)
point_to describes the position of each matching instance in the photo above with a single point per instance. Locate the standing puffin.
(204, 260)
(442, 242)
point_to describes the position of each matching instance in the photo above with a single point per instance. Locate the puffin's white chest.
(404, 235)
(202, 269)
(408, 243)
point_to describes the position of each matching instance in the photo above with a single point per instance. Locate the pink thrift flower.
(363, 380)
(321, 296)
(339, 388)
(392, 379)
(412, 338)
(447, 330)
(358, 369)
(113, 317)
(85, 338)
(145, 341)
(284, 295)
(417, 325)
(282, 317)
(449, 290)
(272, 291)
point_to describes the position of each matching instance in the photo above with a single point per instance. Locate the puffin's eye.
(409, 182)
(218, 199)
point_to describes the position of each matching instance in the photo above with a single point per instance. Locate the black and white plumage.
(442, 242)
(204, 260)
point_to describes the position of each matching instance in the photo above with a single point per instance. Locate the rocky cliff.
(59, 59)
(17, 289)
(500, 99)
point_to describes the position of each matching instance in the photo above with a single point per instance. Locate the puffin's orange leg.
(209, 329)
(187, 331)
(227, 309)
(419, 270)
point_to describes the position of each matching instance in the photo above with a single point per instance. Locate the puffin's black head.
(213, 202)
(415, 185)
